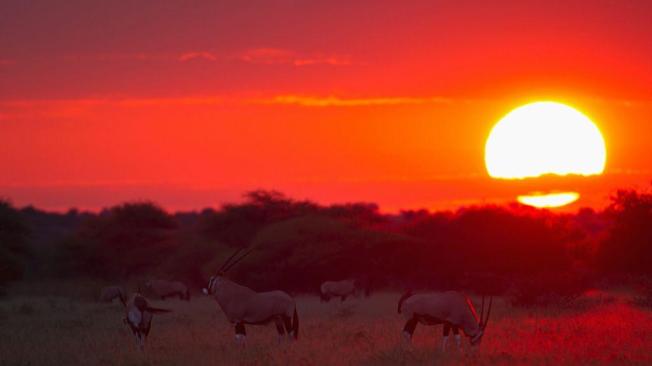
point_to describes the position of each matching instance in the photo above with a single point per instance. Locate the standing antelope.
(242, 305)
(110, 293)
(138, 315)
(165, 289)
(341, 289)
(451, 308)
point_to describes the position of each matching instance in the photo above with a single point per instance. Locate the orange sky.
(190, 107)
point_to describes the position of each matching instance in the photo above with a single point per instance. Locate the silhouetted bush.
(125, 240)
(13, 243)
(643, 296)
(628, 246)
(554, 288)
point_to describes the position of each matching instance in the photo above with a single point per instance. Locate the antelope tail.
(407, 294)
(295, 324)
(157, 310)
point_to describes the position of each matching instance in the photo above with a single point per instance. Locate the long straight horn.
(484, 324)
(237, 260)
(226, 262)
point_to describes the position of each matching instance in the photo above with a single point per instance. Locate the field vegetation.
(43, 329)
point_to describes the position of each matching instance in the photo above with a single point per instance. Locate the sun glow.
(549, 200)
(544, 138)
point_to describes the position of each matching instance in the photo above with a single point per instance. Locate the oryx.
(242, 305)
(138, 315)
(452, 309)
(341, 289)
(110, 293)
(163, 289)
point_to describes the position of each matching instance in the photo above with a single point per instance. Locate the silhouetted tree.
(628, 246)
(125, 240)
(14, 235)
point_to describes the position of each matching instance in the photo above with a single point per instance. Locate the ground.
(49, 329)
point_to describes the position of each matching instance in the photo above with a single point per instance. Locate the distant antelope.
(138, 315)
(242, 305)
(452, 309)
(341, 289)
(110, 293)
(165, 289)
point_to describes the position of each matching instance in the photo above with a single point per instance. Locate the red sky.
(380, 101)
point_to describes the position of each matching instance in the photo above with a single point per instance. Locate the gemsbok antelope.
(111, 293)
(341, 289)
(242, 305)
(163, 289)
(452, 309)
(138, 315)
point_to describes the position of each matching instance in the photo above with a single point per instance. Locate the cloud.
(73, 108)
(333, 101)
(144, 56)
(271, 56)
(203, 55)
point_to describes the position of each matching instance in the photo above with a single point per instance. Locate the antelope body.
(242, 305)
(341, 289)
(452, 309)
(110, 293)
(138, 315)
(165, 289)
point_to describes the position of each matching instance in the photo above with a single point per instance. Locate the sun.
(544, 138)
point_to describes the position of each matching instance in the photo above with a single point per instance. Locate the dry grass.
(49, 330)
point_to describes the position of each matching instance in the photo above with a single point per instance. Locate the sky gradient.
(190, 106)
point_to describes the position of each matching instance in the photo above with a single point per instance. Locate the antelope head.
(482, 325)
(226, 266)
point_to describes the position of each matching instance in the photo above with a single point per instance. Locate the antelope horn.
(237, 260)
(226, 262)
(488, 313)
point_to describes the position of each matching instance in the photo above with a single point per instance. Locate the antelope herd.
(244, 306)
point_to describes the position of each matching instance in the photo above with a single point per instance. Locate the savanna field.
(39, 325)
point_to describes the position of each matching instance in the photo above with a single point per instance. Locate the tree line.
(298, 244)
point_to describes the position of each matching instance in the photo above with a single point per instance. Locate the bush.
(627, 248)
(643, 296)
(126, 240)
(13, 243)
(561, 289)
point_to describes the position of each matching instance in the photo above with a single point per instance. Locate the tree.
(125, 240)
(628, 245)
(13, 243)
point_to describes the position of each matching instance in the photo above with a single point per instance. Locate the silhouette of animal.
(452, 309)
(243, 306)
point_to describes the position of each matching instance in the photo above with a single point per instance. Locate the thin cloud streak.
(55, 106)
(201, 55)
(272, 56)
(255, 56)
(333, 101)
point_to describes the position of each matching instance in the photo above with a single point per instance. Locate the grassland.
(50, 329)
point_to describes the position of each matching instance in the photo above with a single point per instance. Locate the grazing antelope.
(452, 309)
(110, 293)
(341, 289)
(165, 289)
(138, 315)
(242, 305)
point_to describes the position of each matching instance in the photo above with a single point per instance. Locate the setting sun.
(549, 200)
(544, 138)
